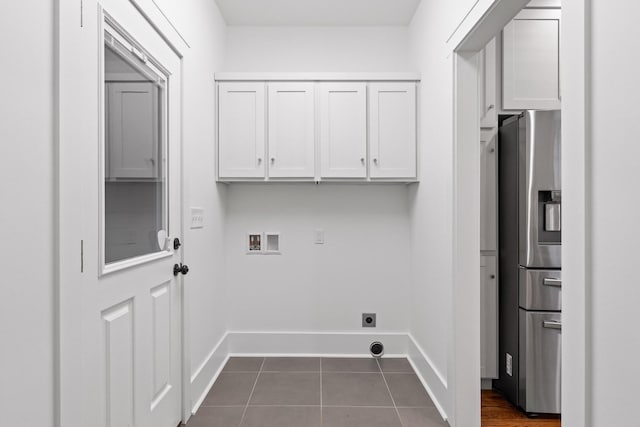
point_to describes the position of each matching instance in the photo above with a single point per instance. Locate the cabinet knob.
(375, 160)
(362, 159)
(491, 107)
(259, 160)
(273, 159)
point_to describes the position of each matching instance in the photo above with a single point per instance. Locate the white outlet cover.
(197, 218)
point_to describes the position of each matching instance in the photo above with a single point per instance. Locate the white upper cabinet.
(343, 130)
(132, 130)
(392, 130)
(531, 60)
(317, 126)
(241, 130)
(291, 130)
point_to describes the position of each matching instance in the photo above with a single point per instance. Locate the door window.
(135, 164)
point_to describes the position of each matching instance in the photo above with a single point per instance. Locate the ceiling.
(318, 12)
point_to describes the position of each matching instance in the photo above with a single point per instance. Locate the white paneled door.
(127, 111)
(392, 130)
(291, 130)
(343, 130)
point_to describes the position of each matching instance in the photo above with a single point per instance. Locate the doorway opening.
(469, 53)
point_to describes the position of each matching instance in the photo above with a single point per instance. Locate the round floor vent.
(377, 349)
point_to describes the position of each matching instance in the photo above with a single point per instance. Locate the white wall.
(362, 267)
(615, 210)
(431, 201)
(347, 49)
(203, 28)
(365, 263)
(27, 215)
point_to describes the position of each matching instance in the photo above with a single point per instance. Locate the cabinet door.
(488, 191)
(488, 89)
(291, 130)
(488, 317)
(531, 61)
(241, 130)
(132, 130)
(392, 130)
(343, 130)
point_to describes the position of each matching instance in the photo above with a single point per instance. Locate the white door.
(343, 130)
(531, 61)
(128, 309)
(291, 130)
(241, 130)
(131, 126)
(392, 130)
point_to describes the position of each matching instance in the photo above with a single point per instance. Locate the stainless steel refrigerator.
(530, 206)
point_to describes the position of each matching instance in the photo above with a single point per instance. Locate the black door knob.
(180, 268)
(176, 244)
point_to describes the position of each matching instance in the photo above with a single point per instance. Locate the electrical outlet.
(197, 218)
(509, 365)
(368, 320)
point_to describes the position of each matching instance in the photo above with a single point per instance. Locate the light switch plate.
(197, 218)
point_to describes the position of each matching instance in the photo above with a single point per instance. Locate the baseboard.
(207, 372)
(346, 344)
(432, 380)
(486, 384)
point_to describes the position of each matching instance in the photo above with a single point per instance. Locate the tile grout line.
(251, 394)
(321, 420)
(391, 395)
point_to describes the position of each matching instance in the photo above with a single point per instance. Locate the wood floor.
(497, 412)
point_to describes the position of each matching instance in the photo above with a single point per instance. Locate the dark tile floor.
(322, 392)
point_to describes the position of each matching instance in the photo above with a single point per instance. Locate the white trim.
(436, 385)
(238, 76)
(576, 83)
(211, 365)
(350, 344)
(482, 23)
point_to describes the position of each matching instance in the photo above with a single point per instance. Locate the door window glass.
(135, 186)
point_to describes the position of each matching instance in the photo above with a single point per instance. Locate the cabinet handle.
(552, 324)
(491, 107)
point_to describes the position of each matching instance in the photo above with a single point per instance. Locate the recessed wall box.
(272, 243)
(254, 243)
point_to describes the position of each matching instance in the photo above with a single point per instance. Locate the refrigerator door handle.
(552, 281)
(549, 324)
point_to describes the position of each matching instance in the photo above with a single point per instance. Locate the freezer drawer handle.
(550, 324)
(550, 281)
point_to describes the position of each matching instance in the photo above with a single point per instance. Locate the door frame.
(75, 23)
(479, 26)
